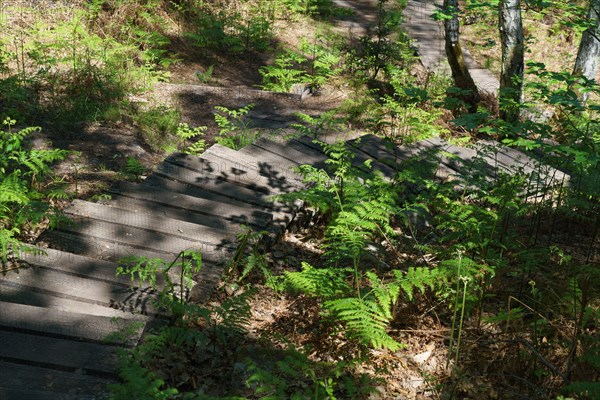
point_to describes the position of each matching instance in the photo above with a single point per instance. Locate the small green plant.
(316, 63)
(285, 72)
(185, 133)
(235, 129)
(294, 376)
(251, 257)
(158, 125)
(160, 274)
(205, 76)
(133, 168)
(24, 189)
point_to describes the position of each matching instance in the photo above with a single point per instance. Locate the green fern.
(235, 129)
(420, 278)
(23, 202)
(327, 283)
(364, 321)
(367, 317)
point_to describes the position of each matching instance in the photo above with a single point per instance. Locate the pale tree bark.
(460, 73)
(513, 54)
(588, 56)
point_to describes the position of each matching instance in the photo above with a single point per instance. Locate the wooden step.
(272, 161)
(293, 152)
(278, 211)
(62, 354)
(279, 171)
(38, 286)
(28, 382)
(358, 160)
(210, 183)
(229, 170)
(101, 249)
(209, 205)
(82, 211)
(52, 322)
(170, 185)
(511, 160)
(211, 244)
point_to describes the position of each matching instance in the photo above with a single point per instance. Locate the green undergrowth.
(206, 352)
(28, 189)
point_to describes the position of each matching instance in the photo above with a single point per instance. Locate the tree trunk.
(513, 53)
(588, 55)
(460, 72)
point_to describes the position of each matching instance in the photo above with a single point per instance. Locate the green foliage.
(375, 53)
(205, 76)
(365, 316)
(285, 72)
(235, 128)
(220, 27)
(584, 390)
(23, 188)
(159, 274)
(368, 316)
(139, 383)
(159, 125)
(185, 133)
(66, 72)
(316, 63)
(327, 283)
(251, 257)
(133, 168)
(182, 345)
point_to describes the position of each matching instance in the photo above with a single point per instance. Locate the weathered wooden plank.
(78, 265)
(384, 151)
(359, 158)
(295, 154)
(207, 206)
(84, 210)
(513, 161)
(68, 354)
(28, 382)
(36, 284)
(279, 172)
(231, 170)
(161, 183)
(272, 161)
(23, 294)
(52, 322)
(181, 214)
(104, 249)
(244, 193)
(213, 245)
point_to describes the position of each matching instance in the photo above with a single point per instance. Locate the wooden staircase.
(57, 311)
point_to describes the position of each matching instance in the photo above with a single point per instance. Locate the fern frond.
(386, 294)
(234, 313)
(326, 282)
(364, 321)
(13, 190)
(420, 278)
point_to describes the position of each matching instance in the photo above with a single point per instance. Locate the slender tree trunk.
(460, 72)
(513, 54)
(588, 56)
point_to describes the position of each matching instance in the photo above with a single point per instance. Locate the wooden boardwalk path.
(57, 311)
(428, 38)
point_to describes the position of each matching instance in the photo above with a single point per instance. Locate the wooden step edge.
(167, 226)
(45, 321)
(132, 301)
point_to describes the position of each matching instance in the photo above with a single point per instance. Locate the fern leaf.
(364, 321)
(327, 282)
